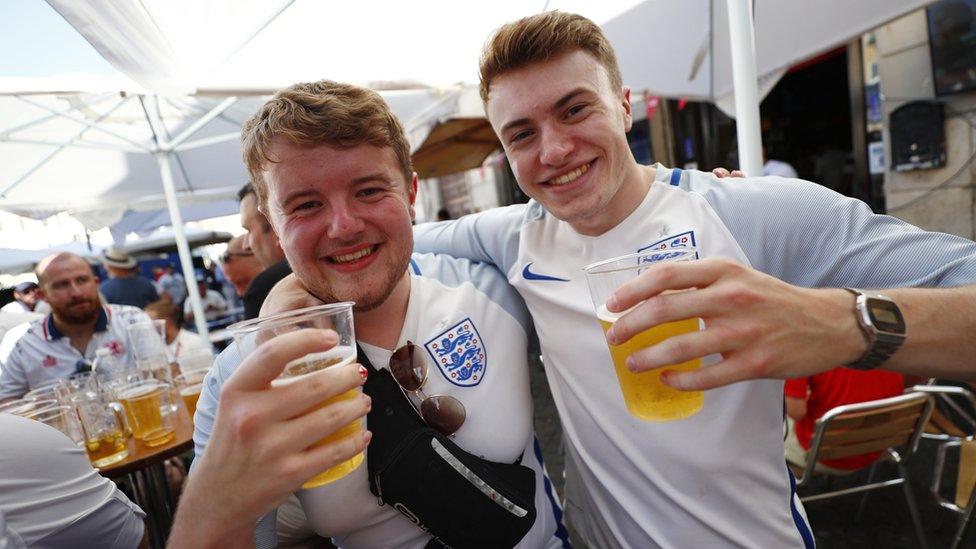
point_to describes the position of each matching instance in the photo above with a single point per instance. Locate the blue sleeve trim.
(557, 511)
(801, 525)
(675, 176)
(415, 267)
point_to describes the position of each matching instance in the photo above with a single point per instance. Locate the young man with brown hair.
(332, 170)
(554, 95)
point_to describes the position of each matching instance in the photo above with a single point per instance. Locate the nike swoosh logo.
(529, 275)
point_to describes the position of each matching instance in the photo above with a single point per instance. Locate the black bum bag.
(464, 501)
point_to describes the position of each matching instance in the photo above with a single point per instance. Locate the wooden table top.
(142, 456)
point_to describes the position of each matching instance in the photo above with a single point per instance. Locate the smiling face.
(343, 217)
(564, 131)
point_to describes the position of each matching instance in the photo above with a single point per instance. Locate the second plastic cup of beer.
(644, 394)
(250, 334)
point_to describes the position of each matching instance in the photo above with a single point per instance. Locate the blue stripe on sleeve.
(557, 511)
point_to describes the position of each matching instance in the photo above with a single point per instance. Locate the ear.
(628, 110)
(40, 294)
(412, 195)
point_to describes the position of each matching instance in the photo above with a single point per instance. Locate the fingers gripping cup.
(644, 394)
(250, 334)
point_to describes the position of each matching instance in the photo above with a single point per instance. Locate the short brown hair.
(541, 37)
(322, 113)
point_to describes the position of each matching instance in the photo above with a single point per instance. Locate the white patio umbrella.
(134, 160)
(676, 48)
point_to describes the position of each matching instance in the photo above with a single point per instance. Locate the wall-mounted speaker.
(917, 136)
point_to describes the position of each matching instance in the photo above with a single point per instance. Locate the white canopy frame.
(163, 149)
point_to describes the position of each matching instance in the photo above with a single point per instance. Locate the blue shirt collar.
(101, 324)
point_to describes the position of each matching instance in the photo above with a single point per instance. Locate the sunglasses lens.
(409, 367)
(443, 413)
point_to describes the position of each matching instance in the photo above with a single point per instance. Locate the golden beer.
(644, 394)
(106, 448)
(190, 397)
(142, 408)
(314, 362)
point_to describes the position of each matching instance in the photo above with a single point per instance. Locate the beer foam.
(137, 392)
(192, 390)
(313, 362)
(605, 315)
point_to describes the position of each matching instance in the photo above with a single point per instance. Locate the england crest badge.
(669, 247)
(459, 354)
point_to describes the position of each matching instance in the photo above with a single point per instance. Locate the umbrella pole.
(742, 36)
(165, 172)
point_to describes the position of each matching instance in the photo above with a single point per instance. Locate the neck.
(79, 334)
(637, 182)
(171, 335)
(381, 326)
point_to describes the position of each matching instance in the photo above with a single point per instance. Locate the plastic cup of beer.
(190, 384)
(103, 429)
(645, 396)
(148, 409)
(250, 334)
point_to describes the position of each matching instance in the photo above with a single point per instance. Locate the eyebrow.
(378, 177)
(560, 103)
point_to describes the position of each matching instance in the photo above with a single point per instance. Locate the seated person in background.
(52, 497)
(25, 298)
(214, 304)
(239, 266)
(178, 340)
(64, 342)
(809, 398)
(171, 285)
(125, 285)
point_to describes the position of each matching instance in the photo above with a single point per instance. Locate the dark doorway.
(806, 121)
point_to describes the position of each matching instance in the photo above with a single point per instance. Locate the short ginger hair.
(542, 37)
(321, 113)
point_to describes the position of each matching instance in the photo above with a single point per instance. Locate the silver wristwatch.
(883, 325)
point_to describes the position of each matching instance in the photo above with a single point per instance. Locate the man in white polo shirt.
(64, 342)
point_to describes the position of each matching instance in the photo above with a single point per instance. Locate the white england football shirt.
(718, 478)
(473, 328)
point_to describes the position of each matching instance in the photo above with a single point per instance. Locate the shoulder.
(485, 279)
(270, 276)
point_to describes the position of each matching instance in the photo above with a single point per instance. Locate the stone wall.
(905, 71)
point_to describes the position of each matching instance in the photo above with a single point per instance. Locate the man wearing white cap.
(125, 286)
(25, 299)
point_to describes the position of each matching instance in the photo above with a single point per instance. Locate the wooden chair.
(891, 425)
(952, 417)
(965, 497)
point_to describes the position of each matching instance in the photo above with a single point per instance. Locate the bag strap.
(363, 359)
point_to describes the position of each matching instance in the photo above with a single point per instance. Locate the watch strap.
(881, 345)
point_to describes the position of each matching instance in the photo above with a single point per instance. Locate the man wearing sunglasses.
(239, 265)
(336, 183)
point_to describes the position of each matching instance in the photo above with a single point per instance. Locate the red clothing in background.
(835, 388)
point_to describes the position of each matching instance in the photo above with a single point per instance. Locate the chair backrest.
(872, 426)
(966, 480)
(952, 417)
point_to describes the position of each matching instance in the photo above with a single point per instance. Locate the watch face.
(886, 316)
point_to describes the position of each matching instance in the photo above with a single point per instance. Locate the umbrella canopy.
(455, 145)
(673, 48)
